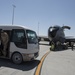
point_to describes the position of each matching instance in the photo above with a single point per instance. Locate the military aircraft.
(56, 37)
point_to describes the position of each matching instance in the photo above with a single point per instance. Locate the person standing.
(4, 40)
(72, 45)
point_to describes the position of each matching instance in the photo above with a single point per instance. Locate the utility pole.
(13, 14)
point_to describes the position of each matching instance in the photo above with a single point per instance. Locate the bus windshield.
(32, 37)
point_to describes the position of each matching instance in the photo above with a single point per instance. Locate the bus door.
(0, 43)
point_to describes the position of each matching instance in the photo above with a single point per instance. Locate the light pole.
(38, 28)
(13, 14)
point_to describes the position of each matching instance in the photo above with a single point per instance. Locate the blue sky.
(45, 12)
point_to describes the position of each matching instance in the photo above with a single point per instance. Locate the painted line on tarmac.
(39, 67)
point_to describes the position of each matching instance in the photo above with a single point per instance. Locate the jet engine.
(56, 36)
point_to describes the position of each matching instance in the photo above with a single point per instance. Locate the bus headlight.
(31, 55)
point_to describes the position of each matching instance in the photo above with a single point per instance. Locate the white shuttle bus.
(18, 43)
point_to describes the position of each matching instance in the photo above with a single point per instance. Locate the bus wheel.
(17, 58)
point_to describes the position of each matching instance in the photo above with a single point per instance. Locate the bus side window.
(18, 36)
(15, 37)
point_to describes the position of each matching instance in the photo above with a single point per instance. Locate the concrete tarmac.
(59, 63)
(53, 63)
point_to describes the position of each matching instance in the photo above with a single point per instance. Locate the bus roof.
(10, 27)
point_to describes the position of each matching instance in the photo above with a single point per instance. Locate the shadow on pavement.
(59, 50)
(56, 50)
(25, 66)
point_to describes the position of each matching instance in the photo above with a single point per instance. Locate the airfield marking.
(38, 69)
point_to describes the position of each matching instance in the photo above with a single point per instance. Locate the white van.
(22, 44)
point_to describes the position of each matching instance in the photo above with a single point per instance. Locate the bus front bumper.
(29, 57)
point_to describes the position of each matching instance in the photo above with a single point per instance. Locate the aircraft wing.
(67, 38)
